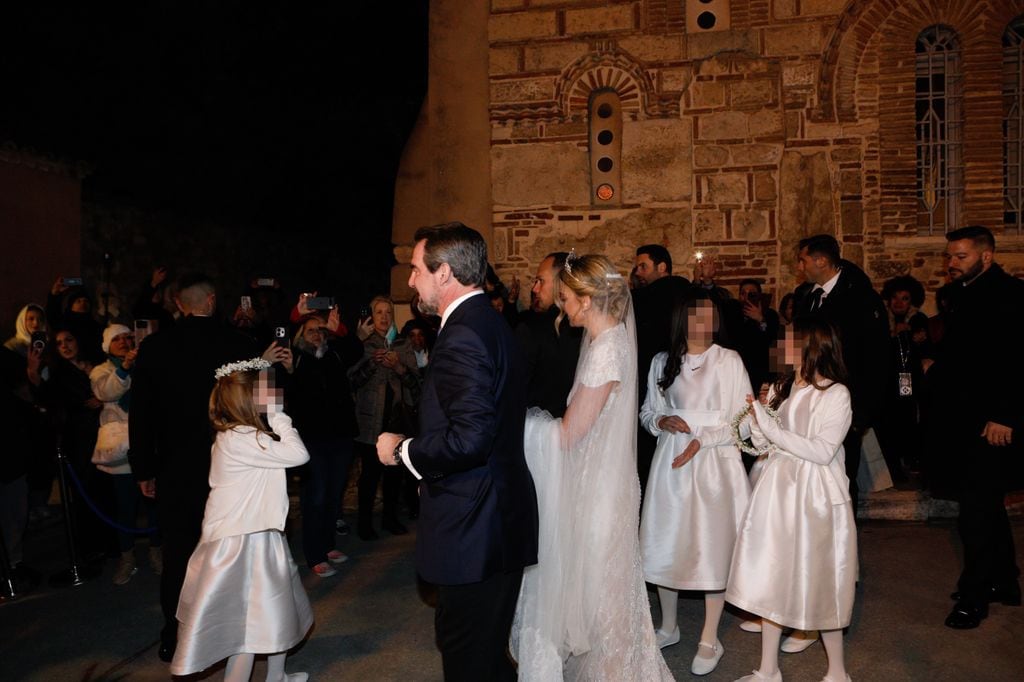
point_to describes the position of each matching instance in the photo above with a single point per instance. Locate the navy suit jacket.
(478, 506)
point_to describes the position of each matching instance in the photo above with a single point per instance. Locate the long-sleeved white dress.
(691, 514)
(795, 561)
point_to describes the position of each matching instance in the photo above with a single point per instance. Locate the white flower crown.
(252, 365)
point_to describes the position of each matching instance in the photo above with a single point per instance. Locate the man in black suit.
(843, 295)
(551, 355)
(653, 304)
(170, 432)
(975, 418)
(478, 507)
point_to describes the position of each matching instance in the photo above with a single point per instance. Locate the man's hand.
(386, 443)
(997, 434)
(686, 454)
(58, 287)
(753, 311)
(673, 424)
(148, 488)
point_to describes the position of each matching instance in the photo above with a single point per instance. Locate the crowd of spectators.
(68, 383)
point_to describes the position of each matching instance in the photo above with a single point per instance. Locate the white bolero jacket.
(822, 444)
(248, 484)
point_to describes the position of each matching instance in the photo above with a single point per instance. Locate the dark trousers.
(472, 623)
(369, 477)
(989, 558)
(851, 449)
(181, 510)
(323, 484)
(127, 499)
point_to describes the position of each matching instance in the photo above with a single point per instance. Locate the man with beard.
(550, 353)
(976, 411)
(478, 507)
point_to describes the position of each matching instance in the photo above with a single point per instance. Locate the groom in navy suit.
(478, 507)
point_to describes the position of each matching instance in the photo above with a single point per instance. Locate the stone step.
(894, 504)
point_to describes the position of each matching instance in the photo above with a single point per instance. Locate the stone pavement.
(372, 622)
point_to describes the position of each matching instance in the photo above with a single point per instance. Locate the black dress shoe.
(965, 616)
(1007, 595)
(166, 651)
(394, 527)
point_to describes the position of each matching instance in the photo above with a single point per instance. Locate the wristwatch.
(396, 454)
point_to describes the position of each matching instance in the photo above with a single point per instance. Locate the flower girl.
(242, 594)
(795, 561)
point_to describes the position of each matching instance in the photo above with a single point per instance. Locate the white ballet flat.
(702, 666)
(758, 677)
(667, 638)
(829, 679)
(799, 640)
(751, 625)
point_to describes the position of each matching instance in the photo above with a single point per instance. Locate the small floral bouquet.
(738, 439)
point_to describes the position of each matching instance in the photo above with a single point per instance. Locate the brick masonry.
(799, 119)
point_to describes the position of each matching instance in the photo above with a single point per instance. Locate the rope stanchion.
(74, 575)
(95, 510)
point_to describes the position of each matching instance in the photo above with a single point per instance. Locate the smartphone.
(39, 341)
(266, 282)
(320, 303)
(72, 281)
(364, 312)
(142, 330)
(281, 337)
(246, 303)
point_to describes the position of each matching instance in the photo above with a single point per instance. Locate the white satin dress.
(691, 515)
(583, 612)
(795, 561)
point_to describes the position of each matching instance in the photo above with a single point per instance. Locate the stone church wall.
(798, 119)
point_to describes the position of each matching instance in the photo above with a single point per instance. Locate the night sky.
(269, 116)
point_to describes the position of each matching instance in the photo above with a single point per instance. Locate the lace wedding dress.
(583, 612)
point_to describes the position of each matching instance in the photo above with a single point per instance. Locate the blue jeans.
(323, 483)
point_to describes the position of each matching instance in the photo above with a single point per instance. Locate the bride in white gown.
(583, 612)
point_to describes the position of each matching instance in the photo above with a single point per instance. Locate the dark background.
(282, 125)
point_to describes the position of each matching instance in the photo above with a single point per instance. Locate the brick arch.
(604, 70)
(975, 21)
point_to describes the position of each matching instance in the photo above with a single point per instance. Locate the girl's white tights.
(239, 669)
(833, 641)
(714, 604)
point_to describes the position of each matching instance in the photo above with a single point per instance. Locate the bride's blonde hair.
(595, 276)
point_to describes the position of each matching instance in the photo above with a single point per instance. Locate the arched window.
(939, 116)
(1013, 126)
(605, 148)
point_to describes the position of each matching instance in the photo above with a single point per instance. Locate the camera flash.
(699, 255)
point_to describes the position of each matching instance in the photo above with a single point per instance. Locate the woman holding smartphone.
(386, 381)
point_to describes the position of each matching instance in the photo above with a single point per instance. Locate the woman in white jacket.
(112, 385)
(795, 561)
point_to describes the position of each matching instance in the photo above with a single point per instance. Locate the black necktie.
(816, 299)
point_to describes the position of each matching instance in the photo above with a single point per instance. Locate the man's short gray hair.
(461, 247)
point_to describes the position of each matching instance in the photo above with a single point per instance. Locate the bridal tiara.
(573, 257)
